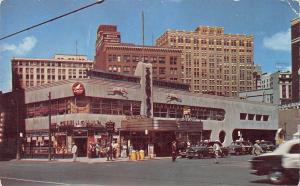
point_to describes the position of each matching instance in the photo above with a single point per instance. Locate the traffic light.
(110, 127)
(1, 127)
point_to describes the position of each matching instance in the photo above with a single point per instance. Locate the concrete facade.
(239, 114)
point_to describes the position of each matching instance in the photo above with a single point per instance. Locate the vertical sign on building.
(148, 92)
(1, 127)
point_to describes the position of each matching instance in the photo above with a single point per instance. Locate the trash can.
(137, 155)
(142, 154)
(133, 155)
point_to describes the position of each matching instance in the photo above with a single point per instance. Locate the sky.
(267, 20)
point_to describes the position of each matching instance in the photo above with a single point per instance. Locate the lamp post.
(15, 102)
(49, 131)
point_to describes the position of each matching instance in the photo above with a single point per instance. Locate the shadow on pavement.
(266, 181)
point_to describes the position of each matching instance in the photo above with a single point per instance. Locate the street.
(232, 170)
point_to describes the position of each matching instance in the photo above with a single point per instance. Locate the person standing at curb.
(174, 149)
(74, 152)
(257, 150)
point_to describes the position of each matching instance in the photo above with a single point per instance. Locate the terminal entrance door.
(80, 138)
(82, 146)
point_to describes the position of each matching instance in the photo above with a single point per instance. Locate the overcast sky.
(267, 20)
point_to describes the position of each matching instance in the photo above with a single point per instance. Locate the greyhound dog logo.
(173, 97)
(118, 91)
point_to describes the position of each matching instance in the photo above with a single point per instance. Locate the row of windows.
(147, 59)
(118, 107)
(51, 77)
(55, 64)
(49, 70)
(177, 111)
(256, 117)
(225, 42)
(83, 105)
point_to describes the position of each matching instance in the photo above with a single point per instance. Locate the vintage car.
(198, 151)
(205, 149)
(182, 147)
(240, 147)
(182, 153)
(224, 150)
(280, 165)
(267, 146)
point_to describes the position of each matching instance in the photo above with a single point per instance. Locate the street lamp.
(15, 102)
(49, 124)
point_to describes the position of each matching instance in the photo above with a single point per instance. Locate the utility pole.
(16, 97)
(49, 131)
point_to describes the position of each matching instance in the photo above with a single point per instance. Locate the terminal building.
(145, 111)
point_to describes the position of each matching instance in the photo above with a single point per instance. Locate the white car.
(280, 165)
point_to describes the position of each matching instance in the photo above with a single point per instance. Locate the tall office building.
(30, 72)
(114, 56)
(213, 62)
(295, 35)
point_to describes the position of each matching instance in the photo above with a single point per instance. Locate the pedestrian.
(74, 152)
(97, 146)
(217, 151)
(174, 149)
(108, 152)
(257, 150)
(90, 149)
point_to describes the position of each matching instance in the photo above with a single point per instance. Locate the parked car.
(182, 147)
(240, 147)
(205, 149)
(280, 165)
(267, 146)
(198, 151)
(182, 153)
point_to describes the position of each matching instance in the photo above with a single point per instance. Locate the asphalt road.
(233, 170)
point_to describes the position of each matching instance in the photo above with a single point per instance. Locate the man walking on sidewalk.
(174, 149)
(217, 150)
(74, 152)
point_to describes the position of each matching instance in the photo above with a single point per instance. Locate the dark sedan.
(198, 151)
(240, 147)
(205, 150)
(224, 150)
(267, 146)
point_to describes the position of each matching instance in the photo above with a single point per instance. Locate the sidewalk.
(91, 160)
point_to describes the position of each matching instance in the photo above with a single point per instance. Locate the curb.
(86, 160)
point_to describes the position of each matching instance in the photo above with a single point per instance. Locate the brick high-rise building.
(213, 62)
(295, 35)
(114, 56)
(30, 72)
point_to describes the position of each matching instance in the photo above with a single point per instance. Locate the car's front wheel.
(277, 176)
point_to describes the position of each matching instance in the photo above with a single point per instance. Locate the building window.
(265, 117)
(162, 60)
(162, 70)
(173, 60)
(258, 117)
(251, 116)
